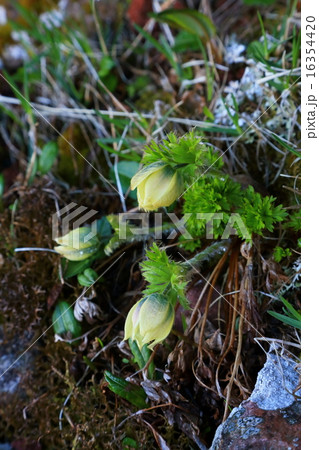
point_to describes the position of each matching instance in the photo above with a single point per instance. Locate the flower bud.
(157, 185)
(150, 320)
(78, 244)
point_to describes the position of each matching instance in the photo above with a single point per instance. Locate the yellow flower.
(150, 320)
(157, 185)
(77, 245)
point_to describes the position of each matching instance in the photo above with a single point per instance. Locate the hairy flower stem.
(213, 251)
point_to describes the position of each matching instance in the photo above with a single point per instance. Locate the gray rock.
(12, 365)
(270, 418)
(276, 383)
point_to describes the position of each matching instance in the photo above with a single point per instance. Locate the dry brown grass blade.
(214, 277)
(231, 312)
(246, 293)
(248, 315)
(236, 363)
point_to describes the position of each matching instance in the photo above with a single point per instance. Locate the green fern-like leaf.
(213, 195)
(164, 276)
(259, 212)
(209, 196)
(188, 153)
(294, 221)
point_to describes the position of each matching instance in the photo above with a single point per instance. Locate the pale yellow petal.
(169, 192)
(154, 186)
(160, 333)
(145, 171)
(73, 254)
(78, 238)
(153, 312)
(128, 328)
